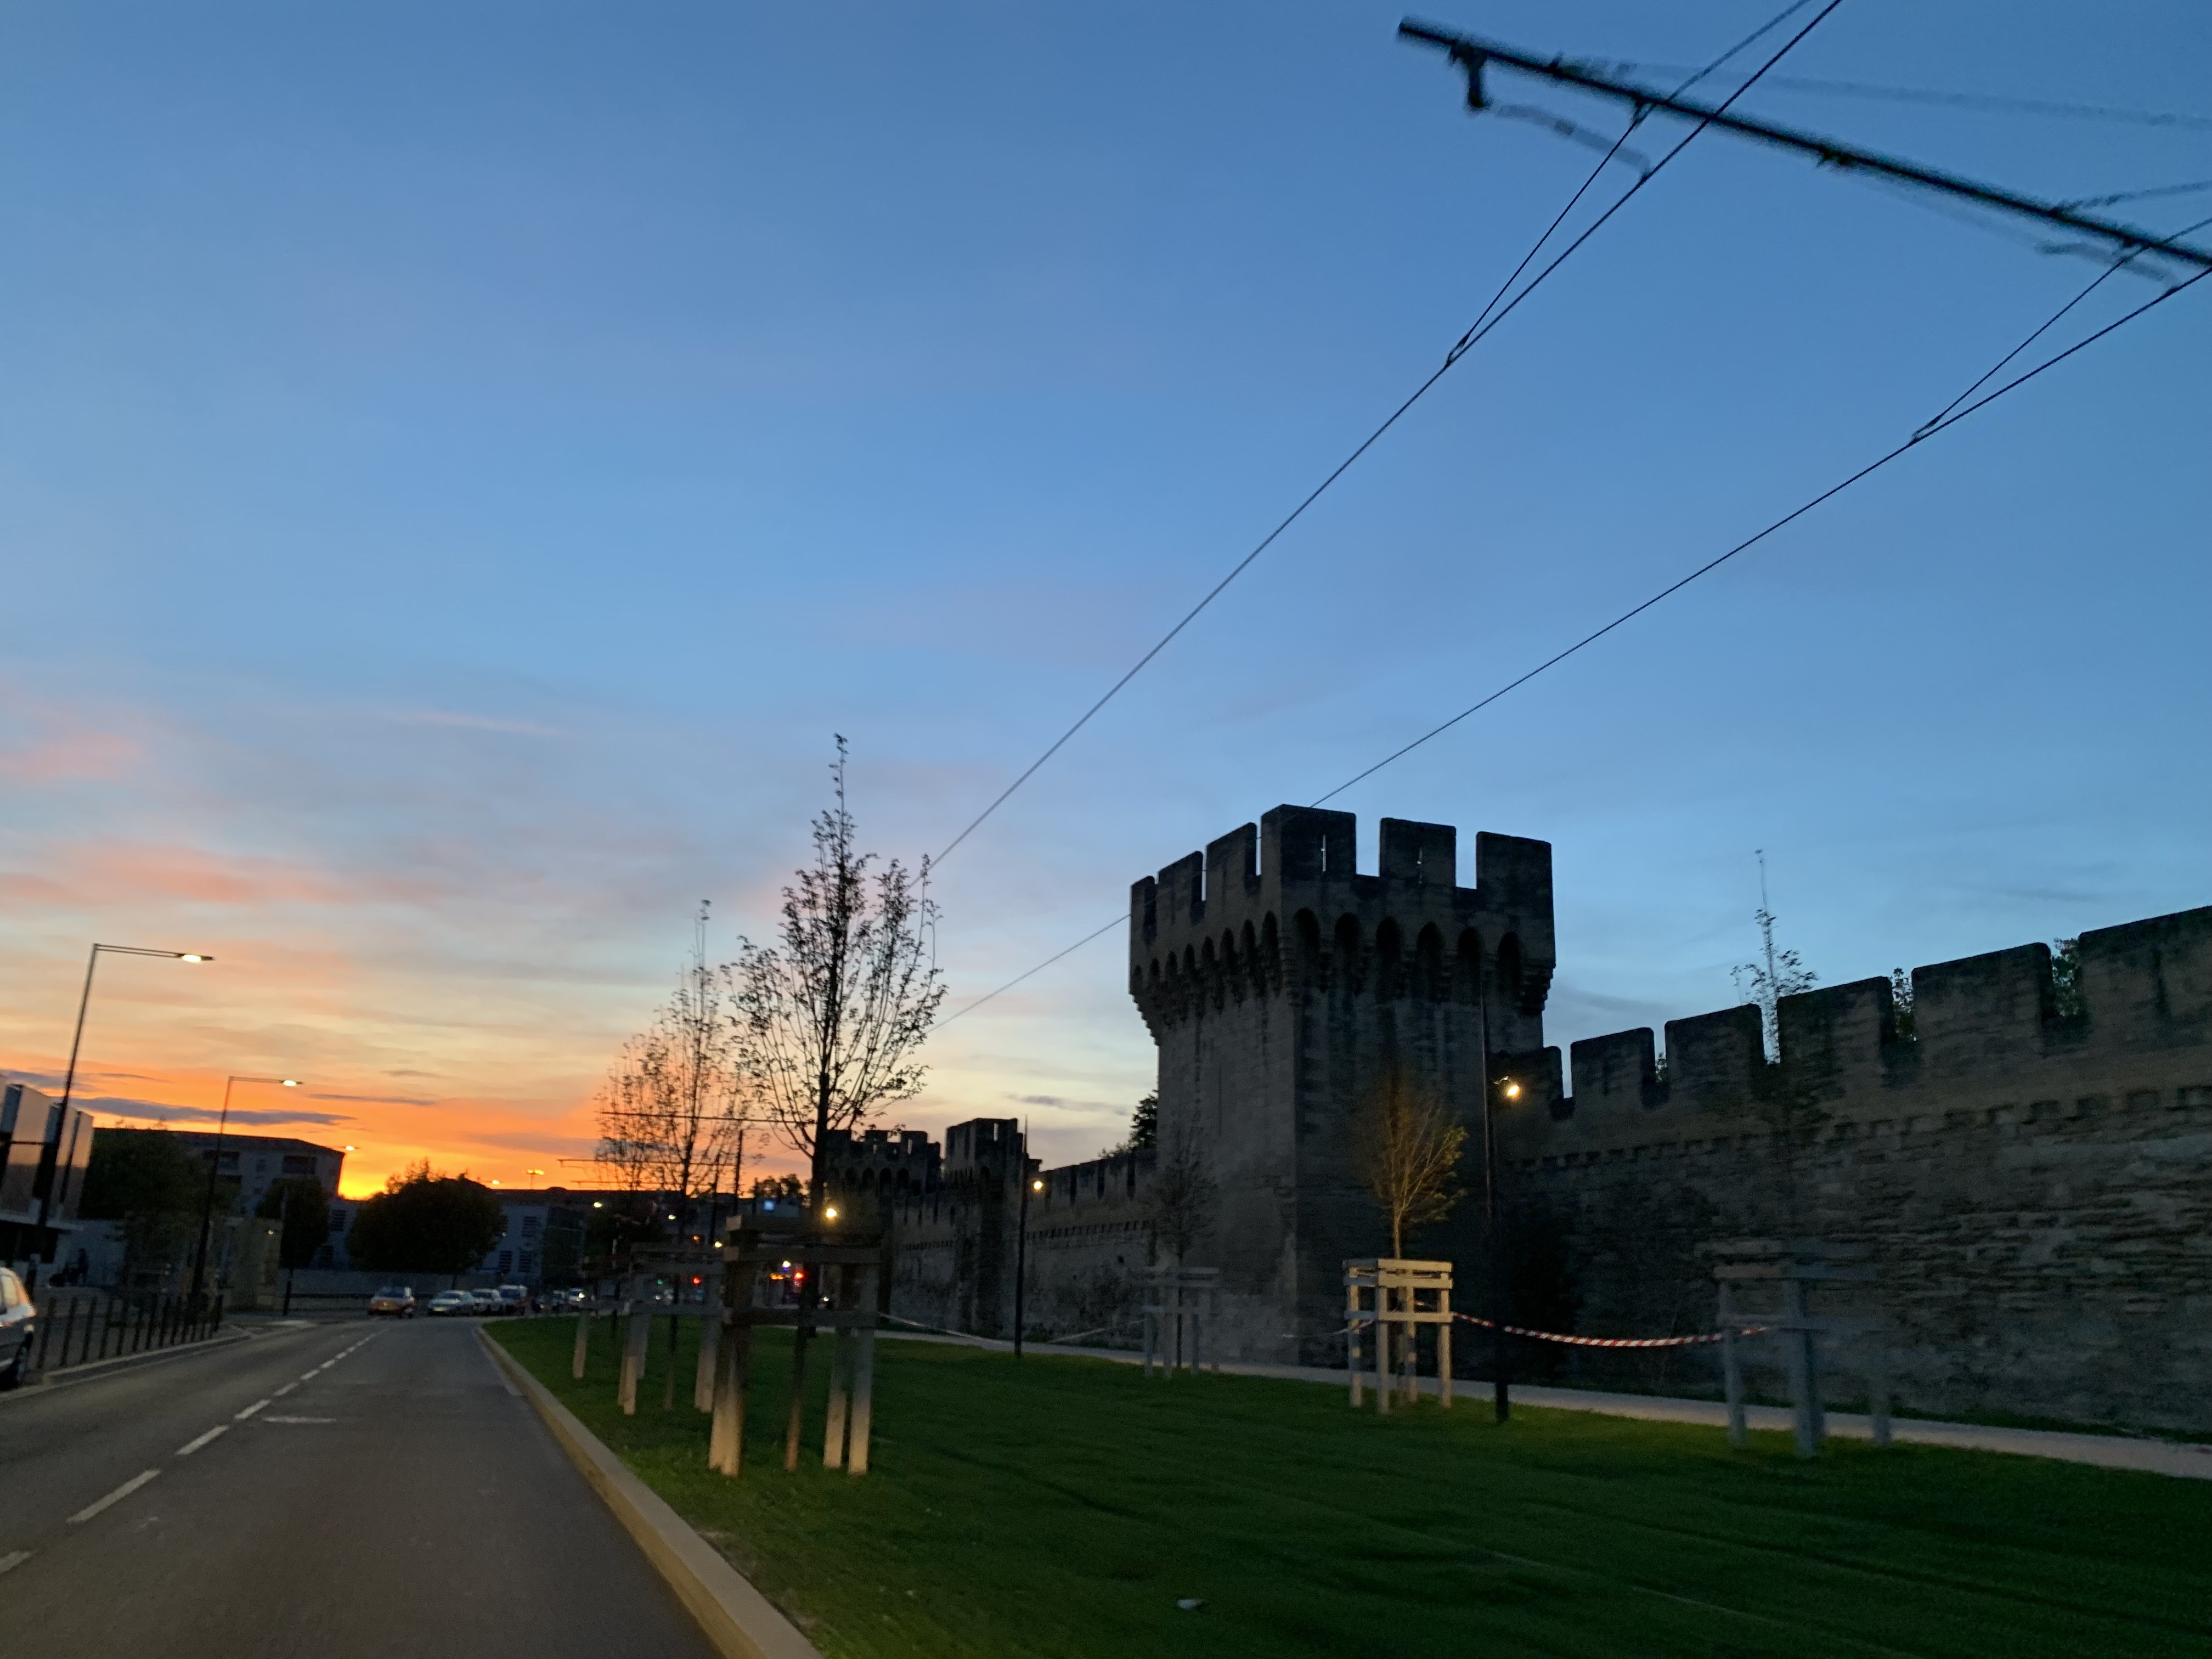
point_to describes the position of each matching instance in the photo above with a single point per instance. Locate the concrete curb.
(740, 1622)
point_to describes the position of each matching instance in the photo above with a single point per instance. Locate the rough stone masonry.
(2028, 1155)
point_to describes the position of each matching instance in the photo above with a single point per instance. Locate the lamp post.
(91, 963)
(1493, 1088)
(1030, 1184)
(215, 1168)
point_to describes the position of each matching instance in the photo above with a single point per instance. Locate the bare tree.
(1406, 1147)
(829, 1018)
(672, 1112)
(1184, 1194)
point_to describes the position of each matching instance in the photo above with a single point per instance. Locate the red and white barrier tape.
(1617, 1341)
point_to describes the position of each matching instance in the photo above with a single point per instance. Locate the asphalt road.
(312, 1492)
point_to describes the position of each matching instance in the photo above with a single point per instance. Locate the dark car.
(19, 1327)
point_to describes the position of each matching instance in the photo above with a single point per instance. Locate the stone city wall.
(2028, 1158)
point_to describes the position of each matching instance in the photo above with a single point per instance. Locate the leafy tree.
(300, 1203)
(1406, 1147)
(1901, 1004)
(145, 1180)
(1143, 1128)
(782, 1189)
(830, 1018)
(427, 1223)
(2066, 1002)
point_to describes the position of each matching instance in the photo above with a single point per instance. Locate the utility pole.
(1022, 1239)
(1471, 54)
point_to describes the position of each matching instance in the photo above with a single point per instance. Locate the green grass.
(1054, 1506)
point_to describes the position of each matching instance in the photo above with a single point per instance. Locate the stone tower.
(1280, 985)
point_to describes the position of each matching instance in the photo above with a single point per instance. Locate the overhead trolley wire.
(1492, 314)
(1490, 317)
(1951, 416)
(1994, 101)
(1940, 423)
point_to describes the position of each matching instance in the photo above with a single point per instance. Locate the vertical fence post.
(1802, 1381)
(726, 1442)
(710, 1344)
(637, 1333)
(583, 1344)
(861, 1420)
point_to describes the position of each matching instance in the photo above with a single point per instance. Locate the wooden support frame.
(1385, 1295)
(1178, 1304)
(849, 1277)
(1791, 1266)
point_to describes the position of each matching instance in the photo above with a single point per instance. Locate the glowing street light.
(92, 961)
(215, 1168)
(1506, 1088)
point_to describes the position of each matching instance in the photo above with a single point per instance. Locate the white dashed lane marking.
(194, 1444)
(286, 1390)
(13, 1559)
(115, 1497)
(249, 1411)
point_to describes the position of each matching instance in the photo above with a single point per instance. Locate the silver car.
(19, 1329)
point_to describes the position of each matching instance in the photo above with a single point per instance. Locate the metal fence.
(75, 1329)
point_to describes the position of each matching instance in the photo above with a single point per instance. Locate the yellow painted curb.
(741, 1622)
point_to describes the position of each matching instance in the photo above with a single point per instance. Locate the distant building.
(44, 1149)
(258, 1162)
(544, 1243)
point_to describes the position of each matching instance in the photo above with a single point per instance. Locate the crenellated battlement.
(1281, 908)
(1983, 1031)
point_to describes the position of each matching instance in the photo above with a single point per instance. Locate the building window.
(532, 1225)
(529, 1264)
(295, 1164)
(337, 1222)
(507, 1261)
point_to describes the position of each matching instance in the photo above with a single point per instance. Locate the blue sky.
(458, 466)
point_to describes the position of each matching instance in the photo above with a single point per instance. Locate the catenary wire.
(1940, 424)
(2139, 194)
(2045, 326)
(1995, 102)
(1481, 326)
(1466, 341)
(1833, 490)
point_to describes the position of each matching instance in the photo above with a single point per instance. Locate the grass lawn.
(1056, 1506)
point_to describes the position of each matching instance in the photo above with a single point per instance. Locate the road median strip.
(740, 1622)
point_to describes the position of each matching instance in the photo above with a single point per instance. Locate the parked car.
(392, 1302)
(447, 1303)
(513, 1298)
(19, 1327)
(486, 1302)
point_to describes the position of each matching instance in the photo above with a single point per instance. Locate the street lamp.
(92, 961)
(215, 1168)
(1510, 1090)
(1022, 1254)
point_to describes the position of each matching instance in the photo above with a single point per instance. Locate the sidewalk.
(2184, 1459)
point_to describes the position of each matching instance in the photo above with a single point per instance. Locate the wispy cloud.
(477, 723)
(159, 1112)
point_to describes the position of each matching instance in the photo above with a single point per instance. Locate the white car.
(448, 1303)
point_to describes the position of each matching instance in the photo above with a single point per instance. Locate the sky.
(460, 467)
